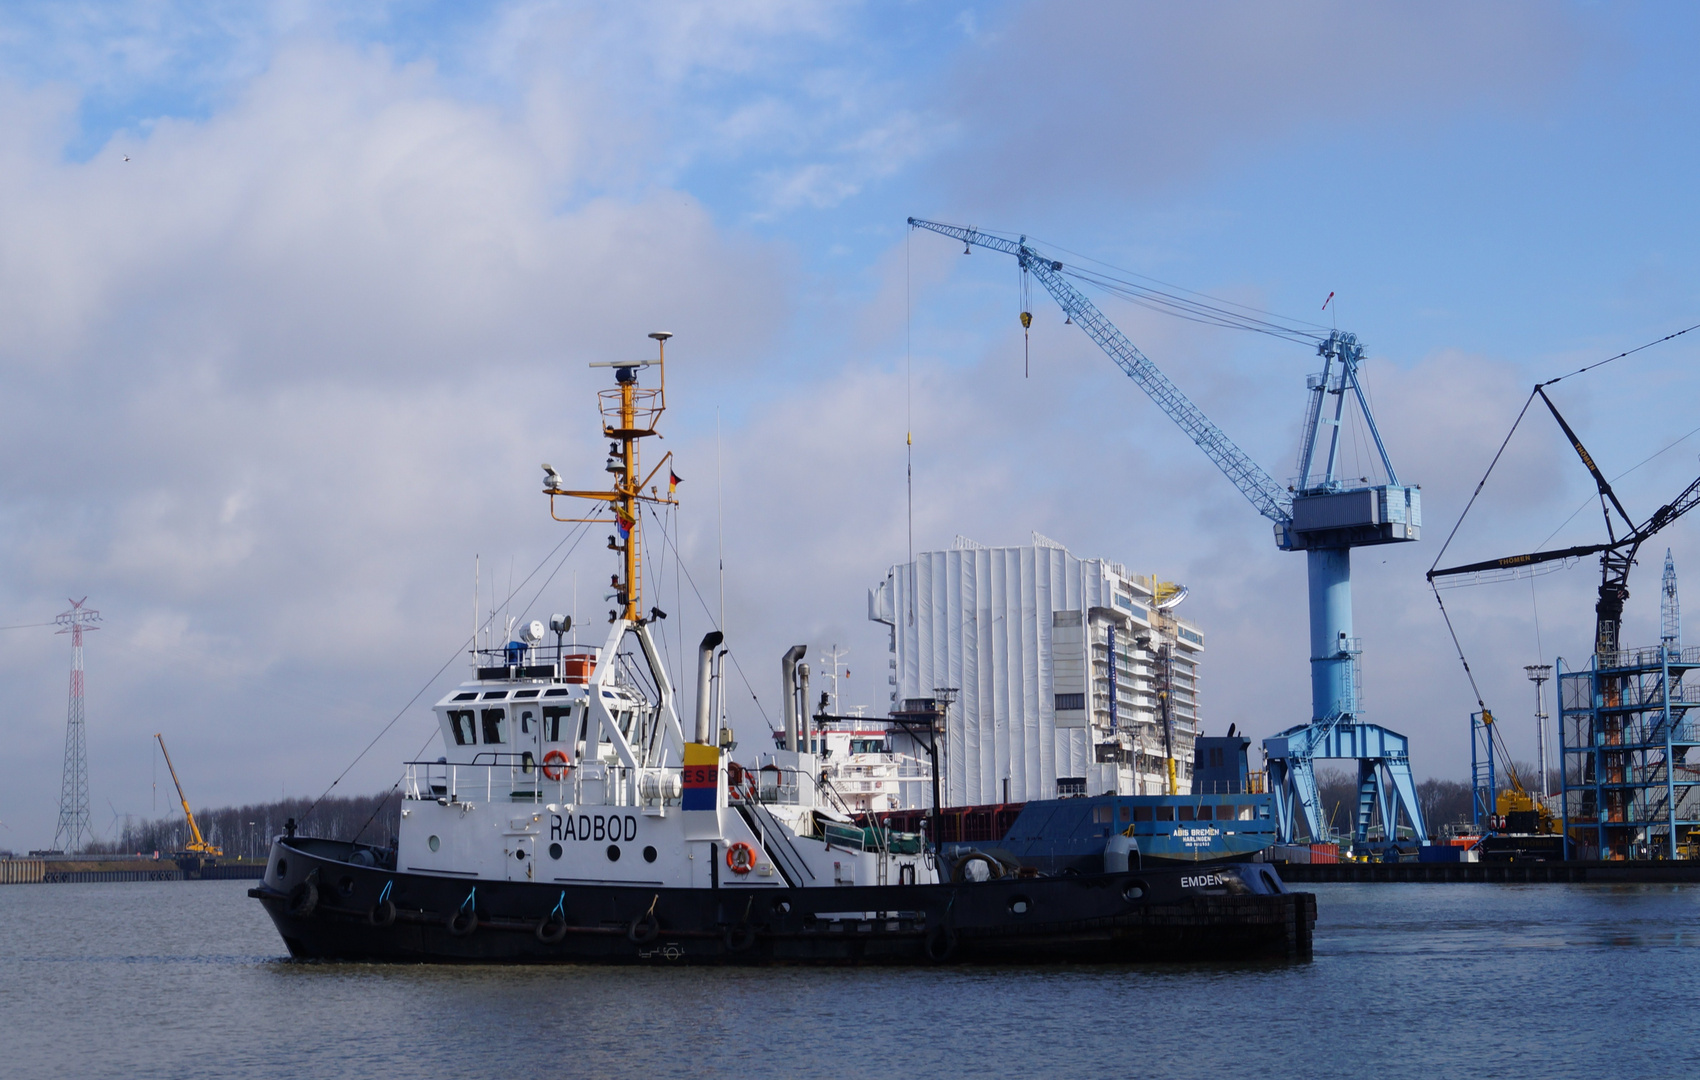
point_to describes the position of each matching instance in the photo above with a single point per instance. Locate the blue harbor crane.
(1323, 514)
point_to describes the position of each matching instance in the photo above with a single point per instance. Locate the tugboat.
(570, 818)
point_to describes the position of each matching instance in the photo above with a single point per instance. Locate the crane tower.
(1323, 514)
(73, 831)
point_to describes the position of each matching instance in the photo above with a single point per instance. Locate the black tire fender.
(304, 898)
(463, 922)
(940, 943)
(644, 929)
(551, 931)
(739, 937)
(382, 914)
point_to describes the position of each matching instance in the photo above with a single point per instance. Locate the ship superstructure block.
(1059, 664)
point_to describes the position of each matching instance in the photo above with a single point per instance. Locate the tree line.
(247, 830)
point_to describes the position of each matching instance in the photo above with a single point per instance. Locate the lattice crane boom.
(1271, 499)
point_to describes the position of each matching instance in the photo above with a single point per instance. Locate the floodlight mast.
(1320, 514)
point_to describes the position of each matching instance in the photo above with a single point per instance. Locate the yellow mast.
(629, 413)
(196, 843)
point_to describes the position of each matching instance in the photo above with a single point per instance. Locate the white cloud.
(280, 375)
(1139, 97)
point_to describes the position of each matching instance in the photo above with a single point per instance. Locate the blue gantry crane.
(1323, 514)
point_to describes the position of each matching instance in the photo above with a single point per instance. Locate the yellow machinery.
(1515, 799)
(197, 844)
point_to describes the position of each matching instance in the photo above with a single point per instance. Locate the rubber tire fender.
(463, 922)
(644, 929)
(739, 937)
(304, 898)
(382, 914)
(551, 932)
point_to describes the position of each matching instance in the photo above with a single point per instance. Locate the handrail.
(621, 784)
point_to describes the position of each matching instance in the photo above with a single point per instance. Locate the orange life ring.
(555, 765)
(740, 858)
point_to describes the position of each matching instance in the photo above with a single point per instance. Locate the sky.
(297, 296)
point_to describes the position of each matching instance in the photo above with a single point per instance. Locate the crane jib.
(1391, 514)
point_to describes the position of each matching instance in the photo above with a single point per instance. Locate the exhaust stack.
(788, 681)
(705, 658)
(806, 741)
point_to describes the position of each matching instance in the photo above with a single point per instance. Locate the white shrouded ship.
(571, 817)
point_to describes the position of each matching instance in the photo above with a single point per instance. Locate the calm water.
(186, 980)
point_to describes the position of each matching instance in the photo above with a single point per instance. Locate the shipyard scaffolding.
(1631, 774)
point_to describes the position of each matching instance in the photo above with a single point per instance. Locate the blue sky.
(274, 380)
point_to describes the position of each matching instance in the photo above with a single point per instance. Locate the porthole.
(282, 867)
(648, 854)
(613, 852)
(1019, 905)
(1134, 892)
(520, 854)
(433, 843)
(554, 851)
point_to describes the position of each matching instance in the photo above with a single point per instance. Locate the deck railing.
(518, 778)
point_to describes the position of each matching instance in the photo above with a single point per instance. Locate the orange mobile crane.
(196, 844)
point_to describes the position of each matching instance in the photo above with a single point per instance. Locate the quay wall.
(62, 869)
(1596, 872)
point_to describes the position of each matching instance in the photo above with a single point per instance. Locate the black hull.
(1098, 919)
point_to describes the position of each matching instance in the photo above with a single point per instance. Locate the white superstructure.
(1056, 664)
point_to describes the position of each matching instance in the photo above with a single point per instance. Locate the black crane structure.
(1617, 552)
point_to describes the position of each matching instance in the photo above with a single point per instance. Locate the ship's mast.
(629, 413)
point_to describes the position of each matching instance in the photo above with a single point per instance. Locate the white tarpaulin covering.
(984, 621)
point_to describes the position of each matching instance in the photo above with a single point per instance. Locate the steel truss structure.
(1626, 740)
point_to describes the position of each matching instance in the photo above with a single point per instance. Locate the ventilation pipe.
(788, 682)
(705, 668)
(804, 723)
(720, 696)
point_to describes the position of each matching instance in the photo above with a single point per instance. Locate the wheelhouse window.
(558, 723)
(494, 720)
(460, 722)
(525, 721)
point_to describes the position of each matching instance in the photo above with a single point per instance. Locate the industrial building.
(1063, 676)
